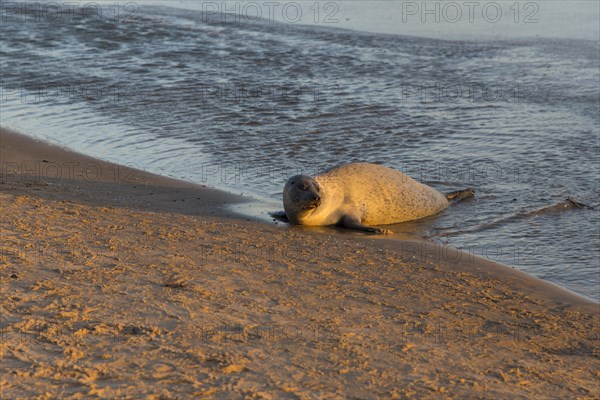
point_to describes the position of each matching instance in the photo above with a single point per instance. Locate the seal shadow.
(404, 230)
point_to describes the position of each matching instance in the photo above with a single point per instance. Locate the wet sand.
(118, 283)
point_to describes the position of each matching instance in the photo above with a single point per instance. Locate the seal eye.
(303, 187)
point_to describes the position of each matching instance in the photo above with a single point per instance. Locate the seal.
(357, 195)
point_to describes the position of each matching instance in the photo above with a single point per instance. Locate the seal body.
(359, 194)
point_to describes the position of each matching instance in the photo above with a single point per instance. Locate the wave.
(563, 206)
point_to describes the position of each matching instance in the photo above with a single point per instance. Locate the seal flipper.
(460, 195)
(351, 222)
(279, 215)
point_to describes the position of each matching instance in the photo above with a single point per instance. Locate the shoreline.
(78, 167)
(173, 267)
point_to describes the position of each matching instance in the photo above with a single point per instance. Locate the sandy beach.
(121, 284)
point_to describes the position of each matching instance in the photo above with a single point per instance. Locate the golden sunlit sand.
(132, 285)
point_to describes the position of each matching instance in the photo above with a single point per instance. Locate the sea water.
(211, 93)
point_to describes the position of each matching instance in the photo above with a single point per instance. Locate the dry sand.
(137, 286)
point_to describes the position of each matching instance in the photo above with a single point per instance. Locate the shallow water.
(242, 106)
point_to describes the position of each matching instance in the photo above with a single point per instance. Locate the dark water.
(242, 106)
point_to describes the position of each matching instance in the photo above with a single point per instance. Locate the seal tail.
(460, 195)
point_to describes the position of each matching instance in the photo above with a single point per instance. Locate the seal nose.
(316, 197)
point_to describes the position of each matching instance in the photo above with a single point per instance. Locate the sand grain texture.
(111, 292)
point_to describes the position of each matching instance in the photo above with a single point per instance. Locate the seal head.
(301, 197)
